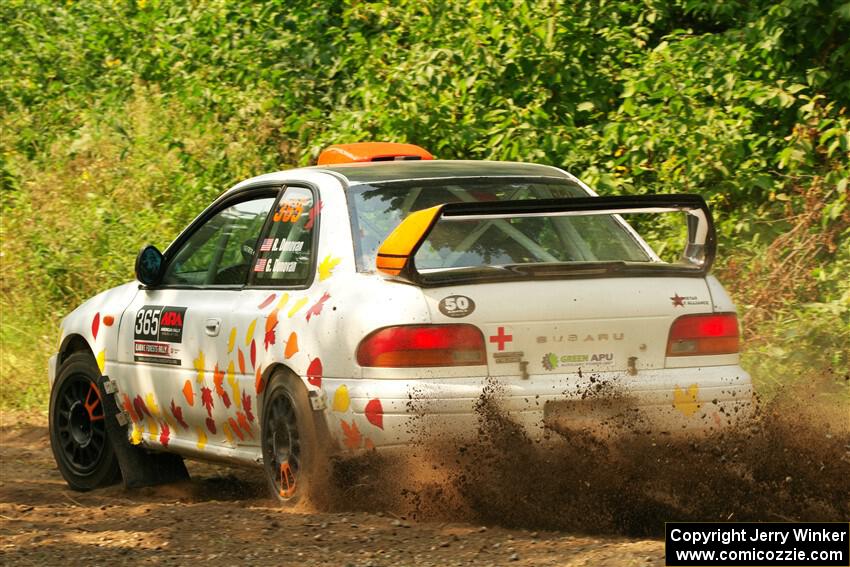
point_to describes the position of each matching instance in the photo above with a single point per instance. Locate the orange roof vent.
(371, 151)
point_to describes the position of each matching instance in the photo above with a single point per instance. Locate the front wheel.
(292, 454)
(78, 434)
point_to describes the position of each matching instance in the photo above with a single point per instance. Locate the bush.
(121, 120)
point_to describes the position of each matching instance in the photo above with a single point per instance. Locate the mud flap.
(139, 467)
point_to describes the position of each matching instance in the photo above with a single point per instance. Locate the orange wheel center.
(287, 480)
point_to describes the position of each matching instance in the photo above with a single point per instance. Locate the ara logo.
(171, 319)
(551, 361)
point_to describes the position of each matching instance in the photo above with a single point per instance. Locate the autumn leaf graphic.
(314, 372)
(271, 323)
(316, 308)
(327, 266)
(164, 435)
(375, 413)
(246, 405)
(207, 400)
(351, 434)
(218, 380)
(177, 412)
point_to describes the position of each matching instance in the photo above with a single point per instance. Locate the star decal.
(678, 301)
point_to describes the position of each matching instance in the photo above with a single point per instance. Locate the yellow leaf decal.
(199, 366)
(231, 341)
(227, 433)
(296, 306)
(282, 301)
(250, 334)
(202, 438)
(101, 360)
(151, 403)
(686, 400)
(153, 429)
(341, 399)
(234, 385)
(136, 438)
(327, 266)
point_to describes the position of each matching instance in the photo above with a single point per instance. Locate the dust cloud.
(791, 462)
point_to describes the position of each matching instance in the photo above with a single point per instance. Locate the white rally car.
(363, 302)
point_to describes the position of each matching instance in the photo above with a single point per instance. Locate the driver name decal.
(157, 329)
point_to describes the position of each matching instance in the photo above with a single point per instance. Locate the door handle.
(212, 327)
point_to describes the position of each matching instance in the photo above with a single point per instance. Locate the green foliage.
(121, 120)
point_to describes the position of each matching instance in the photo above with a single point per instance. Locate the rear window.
(378, 208)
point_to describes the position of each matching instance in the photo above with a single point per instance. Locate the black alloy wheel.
(78, 433)
(289, 440)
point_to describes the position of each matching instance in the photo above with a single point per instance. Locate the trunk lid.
(575, 325)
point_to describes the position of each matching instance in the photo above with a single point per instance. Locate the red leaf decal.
(211, 425)
(316, 309)
(128, 407)
(375, 413)
(236, 429)
(253, 353)
(314, 372)
(164, 434)
(246, 405)
(241, 358)
(141, 408)
(259, 385)
(271, 323)
(243, 423)
(95, 325)
(352, 434)
(267, 301)
(314, 214)
(218, 378)
(207, 400)
(177, 412)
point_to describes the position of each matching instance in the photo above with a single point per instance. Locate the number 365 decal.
(160, 323)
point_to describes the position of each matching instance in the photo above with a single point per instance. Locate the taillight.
(713, 333)
(422, 345)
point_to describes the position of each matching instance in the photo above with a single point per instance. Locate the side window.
(286, 250)
(220, 252)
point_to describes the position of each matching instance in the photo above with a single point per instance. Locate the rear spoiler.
(396, 254)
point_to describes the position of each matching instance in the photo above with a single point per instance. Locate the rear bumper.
(666, 401)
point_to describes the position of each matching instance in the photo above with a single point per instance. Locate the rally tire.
(78, 433)
(291, 444)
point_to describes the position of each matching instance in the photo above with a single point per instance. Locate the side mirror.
(149, 265)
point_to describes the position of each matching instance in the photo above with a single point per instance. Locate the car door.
(177, 365)
(272, 313)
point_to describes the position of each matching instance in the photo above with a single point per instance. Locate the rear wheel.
(292, 455)
(78, 434)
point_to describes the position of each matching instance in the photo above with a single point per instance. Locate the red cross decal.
(501, 338)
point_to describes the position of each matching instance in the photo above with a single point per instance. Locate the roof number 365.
(289, 213)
